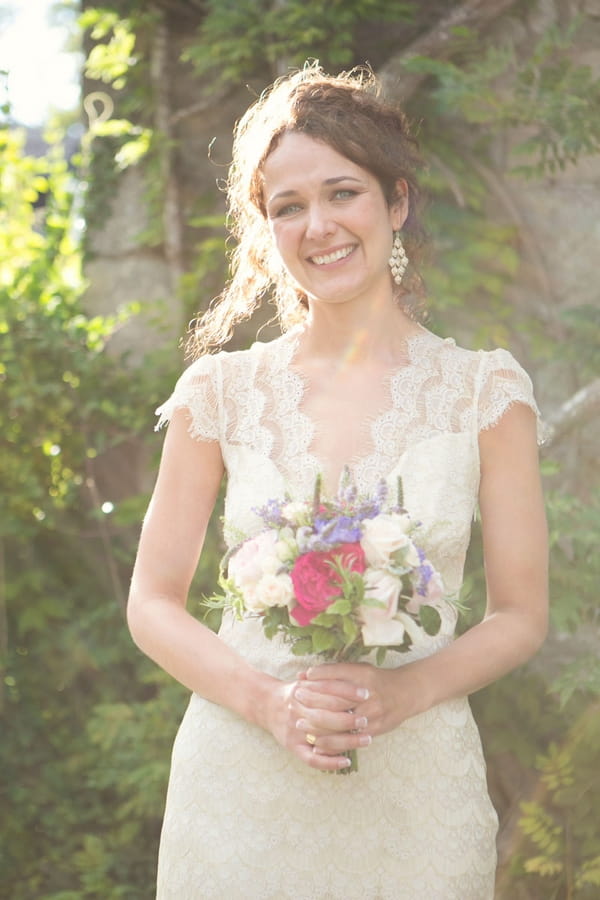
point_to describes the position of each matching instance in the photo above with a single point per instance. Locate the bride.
(323, 198)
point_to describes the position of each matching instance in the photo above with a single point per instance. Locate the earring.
(398, 260)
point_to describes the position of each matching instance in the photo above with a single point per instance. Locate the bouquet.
(338, 578)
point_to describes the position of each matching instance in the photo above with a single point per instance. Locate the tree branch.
(172, 225)
(579, 409)
(438, 42)
(213, 101)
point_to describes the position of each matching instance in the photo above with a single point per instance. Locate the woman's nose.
(319, 222)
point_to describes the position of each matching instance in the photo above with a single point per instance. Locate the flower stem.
(352, 755)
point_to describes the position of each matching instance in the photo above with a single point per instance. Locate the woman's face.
(330, 221)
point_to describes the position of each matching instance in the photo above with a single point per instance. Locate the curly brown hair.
(345, 111)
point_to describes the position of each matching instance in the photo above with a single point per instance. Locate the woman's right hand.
(291, 723)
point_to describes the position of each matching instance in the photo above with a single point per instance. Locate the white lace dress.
(244, 819)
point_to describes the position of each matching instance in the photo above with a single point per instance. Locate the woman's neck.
(335, 333)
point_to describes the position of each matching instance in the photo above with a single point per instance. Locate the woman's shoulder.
(449, 352)
(244, 362)
(493, 379)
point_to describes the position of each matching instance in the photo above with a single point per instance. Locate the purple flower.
(271, 514)
(341, 530)
(426, 572)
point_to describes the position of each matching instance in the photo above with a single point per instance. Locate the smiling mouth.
(332, 257)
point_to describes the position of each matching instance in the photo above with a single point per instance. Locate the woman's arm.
(172, 536)
(515, 621)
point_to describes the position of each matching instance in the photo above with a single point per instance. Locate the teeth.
(332, 257)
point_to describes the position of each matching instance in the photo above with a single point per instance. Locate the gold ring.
(311, 739)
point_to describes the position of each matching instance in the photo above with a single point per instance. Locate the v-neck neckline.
(365, 436)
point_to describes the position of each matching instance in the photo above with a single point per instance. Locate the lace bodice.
(423, 425)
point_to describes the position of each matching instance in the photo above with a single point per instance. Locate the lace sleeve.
(503, 383)
(197, 392)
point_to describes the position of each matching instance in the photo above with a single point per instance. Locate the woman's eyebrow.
(328, 181)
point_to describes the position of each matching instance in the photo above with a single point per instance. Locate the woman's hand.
(387, 697)
(317, 726)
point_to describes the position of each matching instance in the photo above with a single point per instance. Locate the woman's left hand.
(390, 696)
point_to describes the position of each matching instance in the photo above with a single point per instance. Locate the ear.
(399, 205)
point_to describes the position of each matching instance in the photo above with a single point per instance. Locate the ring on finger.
(311, 739)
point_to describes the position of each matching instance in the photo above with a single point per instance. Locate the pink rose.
(316, 583)
(253, 559)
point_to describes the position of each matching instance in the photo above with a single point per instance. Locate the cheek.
(284, 239)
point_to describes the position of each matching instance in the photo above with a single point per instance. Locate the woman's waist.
(276, 657)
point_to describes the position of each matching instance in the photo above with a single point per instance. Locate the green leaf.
(322, 640)
(430, 619)
(302, 647)
(341, 607)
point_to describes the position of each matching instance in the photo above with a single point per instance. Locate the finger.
(346, 690)
(314, 698)
(353, 675)
(322, 722)
(323, 762)
(335, 744)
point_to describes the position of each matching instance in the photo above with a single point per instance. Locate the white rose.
(296, 512)
(383, 536)
(286, 547)
(274, 590)
(384, 587)
(270, 565)
(387, 633)
(409, 556)
(382, 633)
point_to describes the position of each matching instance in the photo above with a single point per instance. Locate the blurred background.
(115, 133)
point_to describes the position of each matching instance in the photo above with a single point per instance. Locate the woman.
(322, 187)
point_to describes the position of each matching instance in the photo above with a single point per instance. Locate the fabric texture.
(245, 819)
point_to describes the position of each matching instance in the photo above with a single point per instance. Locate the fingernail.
(361, 722)
(344, 762)
(301, 695)
(364, 740)
(363, 693)
(302, 724)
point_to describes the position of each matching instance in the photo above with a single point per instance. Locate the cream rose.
(386, 633)
(273, 590)
(378, 626)
(297, 512)
(383, 536)
(286, 547)
(384, 587)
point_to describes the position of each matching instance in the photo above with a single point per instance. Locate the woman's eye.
(344, 194)
(288, 210)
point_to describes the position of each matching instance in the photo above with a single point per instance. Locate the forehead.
(299, 160)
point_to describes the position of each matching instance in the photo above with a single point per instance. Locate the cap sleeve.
(503, 383)
(197, 392)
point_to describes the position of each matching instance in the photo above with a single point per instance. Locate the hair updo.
(348, 113)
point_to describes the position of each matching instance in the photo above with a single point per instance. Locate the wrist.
(413, 693)
(257, 697)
